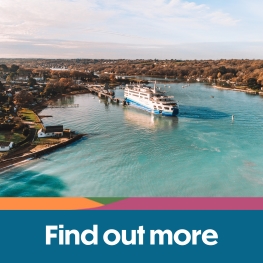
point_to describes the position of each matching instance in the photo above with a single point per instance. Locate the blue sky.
(163, 29)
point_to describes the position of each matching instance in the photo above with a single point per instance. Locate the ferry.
(151, 100)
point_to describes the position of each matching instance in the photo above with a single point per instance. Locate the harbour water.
(129, 152)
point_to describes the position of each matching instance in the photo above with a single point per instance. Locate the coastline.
(249, 91)
(170, 79)
(29, 153)
(208, 126)
(39, 107)
(11, 162)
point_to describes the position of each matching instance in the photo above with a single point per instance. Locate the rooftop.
(49, 129)
(4, 144)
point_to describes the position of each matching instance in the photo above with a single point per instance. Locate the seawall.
(4, 164)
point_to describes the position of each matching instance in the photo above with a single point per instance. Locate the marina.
(130, 152)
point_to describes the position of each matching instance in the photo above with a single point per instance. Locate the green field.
(31, 116)
(42, 141)
(9, 137)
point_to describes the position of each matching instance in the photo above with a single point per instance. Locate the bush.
(25, 132)
(19, 126)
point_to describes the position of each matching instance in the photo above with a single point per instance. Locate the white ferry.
(151, 100)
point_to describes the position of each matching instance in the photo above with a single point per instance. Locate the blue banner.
(107, 236)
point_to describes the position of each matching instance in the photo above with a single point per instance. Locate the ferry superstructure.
(150, 99)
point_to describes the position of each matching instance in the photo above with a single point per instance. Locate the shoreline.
(38, 108)
(43, 105)
(11, 162)
(28, 154)
(249, 91)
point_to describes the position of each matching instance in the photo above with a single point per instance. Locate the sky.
(131, 29)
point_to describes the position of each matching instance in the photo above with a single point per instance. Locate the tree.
(24, 97)
(112, 77)
(1, 86)
(24, 72)
(75, 74)
(65, 82)
(31, 82)
(228, 76)
(14, 68)
(50, 89)
(61, 73)
(25, 132)
(253, 84)
(58, 86)
(3, 98)
(10, 100)
(4, 67)
(8, 79)
(12, 75)
(104, 77)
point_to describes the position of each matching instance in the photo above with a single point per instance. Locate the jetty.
(45, 116)
(102, 92)
(63, 106)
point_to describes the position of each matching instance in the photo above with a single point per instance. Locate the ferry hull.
(173, 113)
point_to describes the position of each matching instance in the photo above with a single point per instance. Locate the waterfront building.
(51, 131)
(5, 146)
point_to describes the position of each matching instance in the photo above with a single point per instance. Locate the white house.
(51, 131)
(6, 146)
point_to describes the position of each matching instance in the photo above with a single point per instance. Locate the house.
(5, 146)
(51, 131)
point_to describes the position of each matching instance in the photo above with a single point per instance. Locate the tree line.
(233, 72)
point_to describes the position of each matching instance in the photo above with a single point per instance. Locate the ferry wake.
(151, 100)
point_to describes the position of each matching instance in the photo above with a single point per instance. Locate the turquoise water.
(130, 152)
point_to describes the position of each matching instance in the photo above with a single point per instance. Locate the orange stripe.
(49, 203)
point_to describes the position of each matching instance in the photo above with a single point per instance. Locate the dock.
(45, 116)
(100, 91)
(63, 106)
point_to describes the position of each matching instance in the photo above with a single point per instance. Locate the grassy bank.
(12, 137)
(31, 116)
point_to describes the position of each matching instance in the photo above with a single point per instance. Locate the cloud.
(222, 19)
(103, 20)
(44, 17)
(42, 48)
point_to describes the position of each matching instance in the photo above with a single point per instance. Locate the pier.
(63, 106)
(45, 116)
(101, 92)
